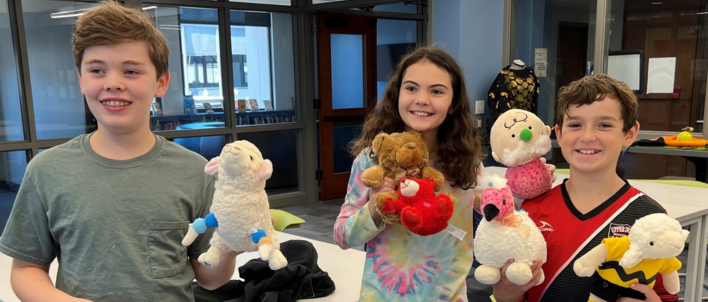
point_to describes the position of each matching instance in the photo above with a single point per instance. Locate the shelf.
(173, 122)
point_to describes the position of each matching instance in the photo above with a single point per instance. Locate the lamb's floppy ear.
(378, 141)
(631, 257)
(266, 169)
(212, 166)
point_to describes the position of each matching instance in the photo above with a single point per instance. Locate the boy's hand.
(507, 291)
(551, 169)
(644, 289)
(229, 253)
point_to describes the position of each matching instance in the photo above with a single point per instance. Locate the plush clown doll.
(518, 140)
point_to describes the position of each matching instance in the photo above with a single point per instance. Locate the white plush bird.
(505, 234)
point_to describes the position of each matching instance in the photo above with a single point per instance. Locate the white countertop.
(345, 267)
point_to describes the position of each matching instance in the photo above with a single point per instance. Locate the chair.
(285, 220)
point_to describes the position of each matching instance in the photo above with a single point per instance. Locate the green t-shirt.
(115, 226)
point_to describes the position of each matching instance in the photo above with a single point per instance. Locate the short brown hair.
(595, 88)
(111, 23)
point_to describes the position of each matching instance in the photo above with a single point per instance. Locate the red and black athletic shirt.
(570, 234)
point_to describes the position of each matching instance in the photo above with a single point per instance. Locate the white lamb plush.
(239, 211)
(505, 234)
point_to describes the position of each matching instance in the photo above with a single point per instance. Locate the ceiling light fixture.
(79, 12)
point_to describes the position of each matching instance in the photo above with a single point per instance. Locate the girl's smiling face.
(425, 97)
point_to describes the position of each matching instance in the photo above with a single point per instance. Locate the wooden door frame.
(334, 185)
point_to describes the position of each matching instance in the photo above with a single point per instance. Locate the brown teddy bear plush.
(400, 155)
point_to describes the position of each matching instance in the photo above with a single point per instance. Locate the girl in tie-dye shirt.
(427, 93)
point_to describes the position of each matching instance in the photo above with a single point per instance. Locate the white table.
(345, 267)
(688, 205)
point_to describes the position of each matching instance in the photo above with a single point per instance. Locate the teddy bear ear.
(378, 141)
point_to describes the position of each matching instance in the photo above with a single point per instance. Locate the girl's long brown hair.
(459, 151)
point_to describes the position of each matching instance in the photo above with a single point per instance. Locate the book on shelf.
(156, 110)
(268, 105)
(208, 108)
(254, 105)
(189, 107)
(242, 106)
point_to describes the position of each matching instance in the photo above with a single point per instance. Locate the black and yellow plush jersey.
(645, 272)
(570, 234)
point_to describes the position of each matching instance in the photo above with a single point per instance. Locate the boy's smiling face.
(591, 137)
(119, 82)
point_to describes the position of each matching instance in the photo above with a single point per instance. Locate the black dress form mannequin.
(516, 87)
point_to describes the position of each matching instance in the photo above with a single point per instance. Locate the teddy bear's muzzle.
(409, 155)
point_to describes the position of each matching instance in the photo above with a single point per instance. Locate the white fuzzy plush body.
(496, 243)
(240, 206)
(238, 211)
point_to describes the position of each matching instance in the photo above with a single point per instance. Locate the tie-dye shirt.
(400, 265)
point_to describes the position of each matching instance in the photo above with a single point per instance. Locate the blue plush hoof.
(199, 226)
(211, 221)
(258, 235)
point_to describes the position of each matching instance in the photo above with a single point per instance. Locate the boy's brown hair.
(111, 23)
(595, 88)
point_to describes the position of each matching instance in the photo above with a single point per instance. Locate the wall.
(476, 42)
(533, 19)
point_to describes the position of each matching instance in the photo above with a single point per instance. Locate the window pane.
(207, 146)
(567, 31)
(263, 67)
(347, 71)
(273, 2)
(325, 1)
(9, 87)
(14, 163)
(280, 147)
(394, 38)
(343, 134)
(59, 107)
(393, 8)
(195, 95)
(659, 30)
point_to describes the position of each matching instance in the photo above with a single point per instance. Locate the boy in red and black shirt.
(597, 118)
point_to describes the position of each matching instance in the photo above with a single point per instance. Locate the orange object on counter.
(696, 142)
